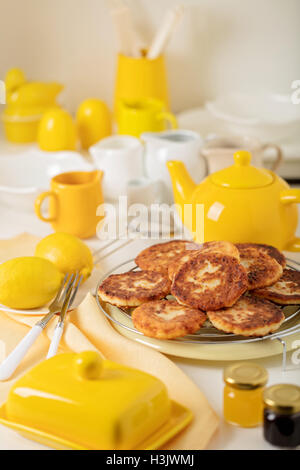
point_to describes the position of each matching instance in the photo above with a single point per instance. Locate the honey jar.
(282, 415)
(243, 394)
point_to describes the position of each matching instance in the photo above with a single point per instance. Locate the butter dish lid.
(242, 175)
(94, 402)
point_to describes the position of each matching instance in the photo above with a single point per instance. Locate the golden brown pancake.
(221, 246)
(267, 249)
(224, 247)
(249, 316)
(209, 281)
(134, 288)
(286, 291)
(158, 257)
(167, 319)
(262, 270)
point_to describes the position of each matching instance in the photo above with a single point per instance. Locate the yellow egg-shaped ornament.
(57, 131)
(93, 122)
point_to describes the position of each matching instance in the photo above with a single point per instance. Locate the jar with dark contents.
(282, 415)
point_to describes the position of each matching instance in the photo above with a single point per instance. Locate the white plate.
(268, 116)
(24, 175)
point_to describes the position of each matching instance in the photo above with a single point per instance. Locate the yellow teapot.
(240, 203)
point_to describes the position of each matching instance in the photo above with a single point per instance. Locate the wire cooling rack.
(208, 334)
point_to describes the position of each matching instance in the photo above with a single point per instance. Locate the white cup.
(219, 151)
(121, 160)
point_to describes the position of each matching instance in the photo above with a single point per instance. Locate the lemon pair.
(32, 281)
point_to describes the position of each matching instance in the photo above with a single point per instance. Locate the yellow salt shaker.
(93, 121)
(243, 394)
(57, 131)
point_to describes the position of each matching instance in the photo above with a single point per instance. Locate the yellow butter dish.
(80, 401)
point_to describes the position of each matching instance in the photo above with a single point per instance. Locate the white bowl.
(24, 176)
(268, 116)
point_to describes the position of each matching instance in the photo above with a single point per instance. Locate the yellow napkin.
(88, 329)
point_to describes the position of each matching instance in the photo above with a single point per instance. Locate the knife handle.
(55, 340)
(12, 361)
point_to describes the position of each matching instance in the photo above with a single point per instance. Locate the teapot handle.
(291, 196)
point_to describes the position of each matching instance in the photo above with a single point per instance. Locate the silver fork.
(70, 296)
(12, 361)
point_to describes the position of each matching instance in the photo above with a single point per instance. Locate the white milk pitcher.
(178, 144)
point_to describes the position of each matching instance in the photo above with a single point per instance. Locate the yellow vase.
(139, 77)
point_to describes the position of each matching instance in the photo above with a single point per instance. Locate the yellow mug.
(138, 77)
(144, 115)
(73, 201)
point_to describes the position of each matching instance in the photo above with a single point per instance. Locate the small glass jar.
(243, 394)
(282, 415)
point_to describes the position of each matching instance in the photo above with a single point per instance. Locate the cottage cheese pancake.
(224, 247)
(134, 288)
(167, 319)
(267, 249)
(285, 291)
(262, 269)
(249, 316)
(209, 281)
(158, 257)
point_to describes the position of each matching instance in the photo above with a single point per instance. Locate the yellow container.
(74, 199)
(21, 123)
(139, 77)
(243, 394)
(21, 131)
(79, 401)
(144, 115)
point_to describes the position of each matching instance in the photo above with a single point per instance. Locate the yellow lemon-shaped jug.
(28, 282)
(67, 252)
(93, 122)
(57, 131)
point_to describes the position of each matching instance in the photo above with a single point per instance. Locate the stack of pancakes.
(236, 287)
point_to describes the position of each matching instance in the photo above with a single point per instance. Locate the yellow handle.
(294, 245)
(38, 205)
(168, 117)
(291, 196)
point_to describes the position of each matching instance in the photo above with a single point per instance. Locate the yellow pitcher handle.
(38, 205)
(291, 196)
(168, 117)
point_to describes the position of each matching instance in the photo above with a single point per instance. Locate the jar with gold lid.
(282, 415)
(243, 393)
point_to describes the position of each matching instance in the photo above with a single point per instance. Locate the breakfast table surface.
(206, 374)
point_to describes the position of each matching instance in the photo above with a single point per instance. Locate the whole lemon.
(67, 252)
(28, 282)
(93, 122)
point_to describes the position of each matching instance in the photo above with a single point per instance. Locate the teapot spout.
(183, 185)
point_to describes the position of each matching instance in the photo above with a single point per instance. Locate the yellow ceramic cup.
(144, 115)
(73, 201)
(138, 77)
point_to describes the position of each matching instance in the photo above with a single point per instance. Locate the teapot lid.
(242, 175)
